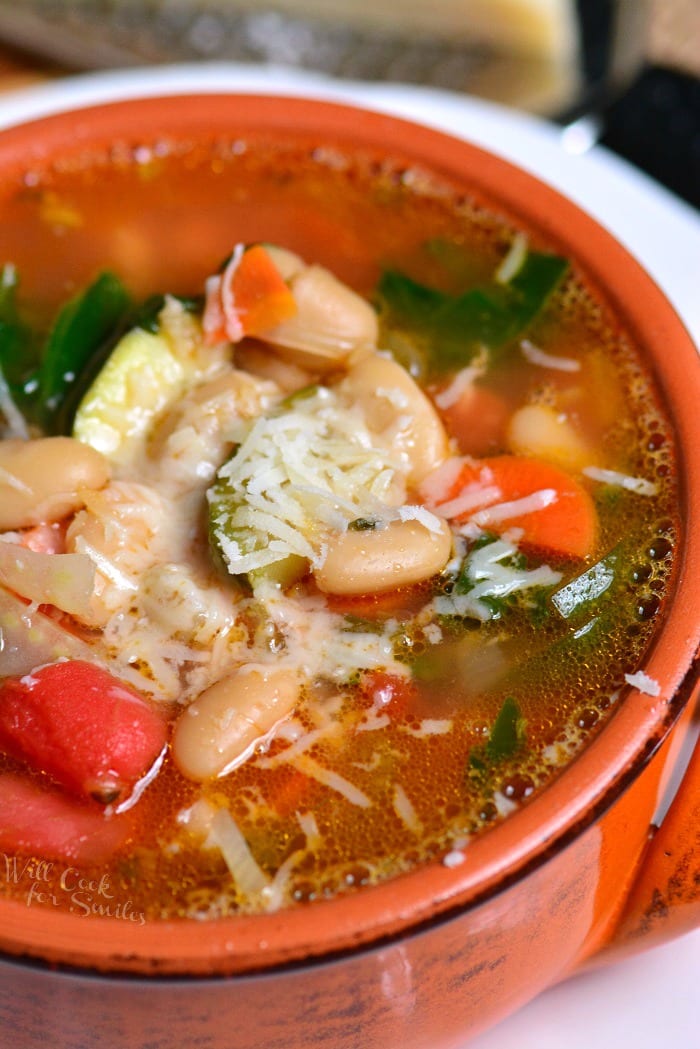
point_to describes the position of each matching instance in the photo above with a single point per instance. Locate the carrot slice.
(553, 511)
(261, 297)
(249, 297)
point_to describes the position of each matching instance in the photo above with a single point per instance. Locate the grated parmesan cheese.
(431, 727)
(454, 858)
(403, 807)
(513, 260)
(331, 779)
(432, 633)
(226, 836)
(491, 578)
(462, 383)
(422, 516)
(534, 355)
(297, 476)
(639, 485)
(515, 508)
(443, 479)
(643, 683)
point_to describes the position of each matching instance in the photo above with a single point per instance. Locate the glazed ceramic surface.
(455, 952)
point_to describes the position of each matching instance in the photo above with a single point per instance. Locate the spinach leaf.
(19, 345)
(508, 732)
(455, 327)
(86, 327)
(412, 304)
(507, 736)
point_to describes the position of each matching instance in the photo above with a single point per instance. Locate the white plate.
(652, 999)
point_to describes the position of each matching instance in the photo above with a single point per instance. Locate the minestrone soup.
(336, 511)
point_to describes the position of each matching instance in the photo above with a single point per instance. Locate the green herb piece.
(507, 736)
(362, 524)
(476, 761)
(537, 607)
(303, 394)
(430, 666)
(362, 625)
(455, 327)
(505, 595)
(508, 732)
(532, 285)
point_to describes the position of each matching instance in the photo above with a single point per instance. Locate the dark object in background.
(656, 126)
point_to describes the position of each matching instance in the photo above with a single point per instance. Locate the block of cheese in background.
(538, 28)
(523, 53)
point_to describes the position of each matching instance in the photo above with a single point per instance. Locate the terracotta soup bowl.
(577, 874)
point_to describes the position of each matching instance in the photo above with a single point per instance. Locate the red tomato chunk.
(49, 824)
(82, 727)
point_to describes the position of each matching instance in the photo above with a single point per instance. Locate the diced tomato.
(477, 420)
(400, 603)
(250, 297)
(82, 727)
(46, 538)
(51, 825)
(381, 689)
(552, 510)
(288, 796)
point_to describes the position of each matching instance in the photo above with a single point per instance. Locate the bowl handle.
(664, 901)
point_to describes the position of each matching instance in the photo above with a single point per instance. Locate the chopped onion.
(29, 639)
(334, 780)
(403, 807)
(640, 485)
(64, 580)
(226, 836)
(534, 355)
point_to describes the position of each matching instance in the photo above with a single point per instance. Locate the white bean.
(256, 359)
(541, 431)
(396, 409)
(379, 559)
(193, 437)
(288, 263)
(41, 481)
(220, 727)
(333, 324)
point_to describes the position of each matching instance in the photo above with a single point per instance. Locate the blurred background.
(622, 72)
